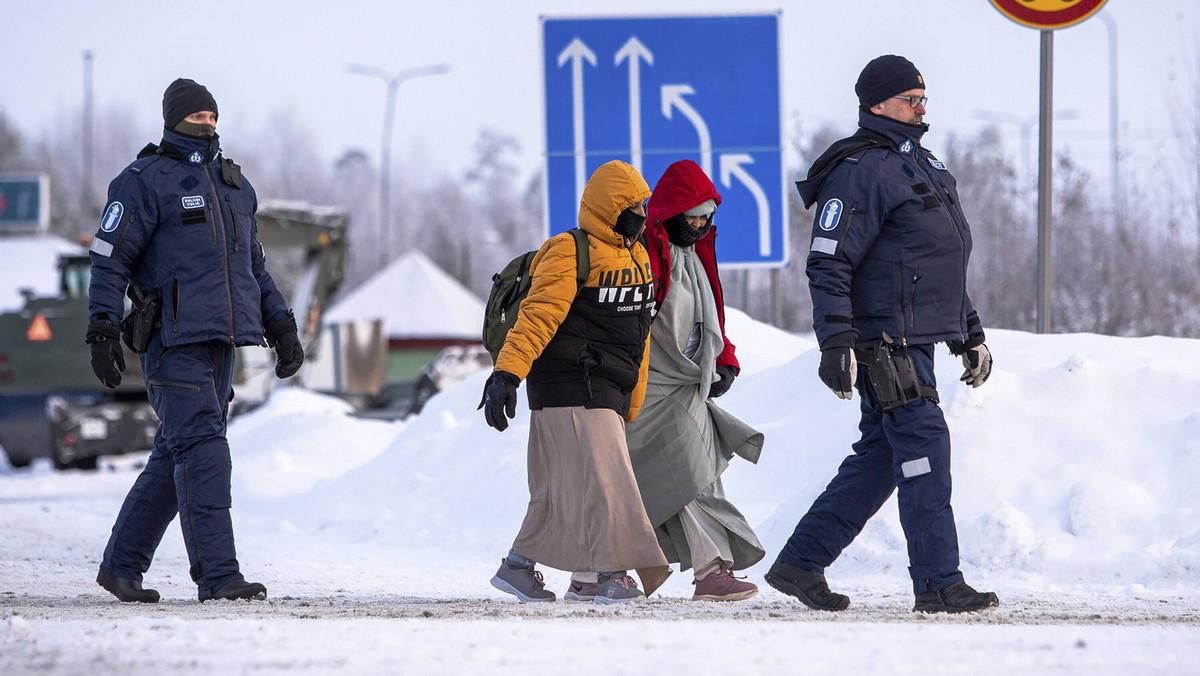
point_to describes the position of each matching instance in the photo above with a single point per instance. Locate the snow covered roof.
(31, 262)
(416, 299)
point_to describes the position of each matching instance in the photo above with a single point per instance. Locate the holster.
(140, 324)
(892, 375)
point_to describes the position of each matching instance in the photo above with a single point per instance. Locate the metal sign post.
(1045, 182)
(1046, 15)
(641, 90)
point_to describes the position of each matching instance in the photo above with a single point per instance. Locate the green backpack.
(511, 285)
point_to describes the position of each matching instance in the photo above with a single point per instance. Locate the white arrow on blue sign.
(654, 90)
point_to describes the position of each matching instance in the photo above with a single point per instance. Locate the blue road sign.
(654, 90)
(24, 202)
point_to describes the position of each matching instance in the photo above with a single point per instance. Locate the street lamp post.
(89, 205)
(1113, 121)
(393, 81)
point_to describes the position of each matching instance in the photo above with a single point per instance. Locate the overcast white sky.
(262, 57)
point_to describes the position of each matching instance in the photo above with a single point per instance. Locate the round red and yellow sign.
(1048, 14)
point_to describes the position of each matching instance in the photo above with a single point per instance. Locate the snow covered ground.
(1076, 472)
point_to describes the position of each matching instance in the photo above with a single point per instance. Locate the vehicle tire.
(80, 463)
(89, 463)
(18, 463)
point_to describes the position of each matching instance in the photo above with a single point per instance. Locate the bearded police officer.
(179, 236)
(887, 271)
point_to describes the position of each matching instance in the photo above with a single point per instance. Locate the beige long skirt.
(585, 512)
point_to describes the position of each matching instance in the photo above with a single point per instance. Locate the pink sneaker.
(581, 591)
(723, 586)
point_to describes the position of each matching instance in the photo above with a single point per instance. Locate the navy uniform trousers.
(906, 448)
(188, 471)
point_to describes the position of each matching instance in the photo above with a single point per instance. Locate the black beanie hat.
(184, 97)
(884, 77)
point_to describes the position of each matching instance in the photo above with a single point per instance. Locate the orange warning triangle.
(39, 329)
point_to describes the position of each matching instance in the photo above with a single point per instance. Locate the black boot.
(125, 589)
(957, 598)
(808, 586)
(239, 589)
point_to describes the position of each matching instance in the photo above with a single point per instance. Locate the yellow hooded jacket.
(588, 348)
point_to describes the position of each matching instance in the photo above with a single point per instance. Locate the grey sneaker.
(523, 583)
(617, 588)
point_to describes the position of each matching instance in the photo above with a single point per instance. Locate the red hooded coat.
(683, 186)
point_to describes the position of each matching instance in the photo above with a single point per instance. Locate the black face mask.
(683, 235)
(196, 130)
(629, 224)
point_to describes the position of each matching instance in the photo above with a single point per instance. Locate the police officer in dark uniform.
(179, 235)
(887, 271)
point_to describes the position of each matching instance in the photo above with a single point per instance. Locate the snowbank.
(1074, 465)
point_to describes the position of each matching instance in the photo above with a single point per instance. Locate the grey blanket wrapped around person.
(682, 442)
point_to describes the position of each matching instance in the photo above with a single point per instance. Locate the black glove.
(499, 399)
(978, 361)
(727, 373)
(289, 353)
(108, 357)
(839, 367)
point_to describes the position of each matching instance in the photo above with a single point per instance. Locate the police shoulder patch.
(112, 216)
(937, 164)
(193, 202)
(831, 215)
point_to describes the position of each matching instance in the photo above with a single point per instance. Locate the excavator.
(51, 404)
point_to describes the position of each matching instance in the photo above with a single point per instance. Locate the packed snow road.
(385, 633)
(358, 609)
(769, 606)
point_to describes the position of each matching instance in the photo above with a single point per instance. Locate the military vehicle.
(51, 404)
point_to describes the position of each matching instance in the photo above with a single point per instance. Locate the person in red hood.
(681, 441)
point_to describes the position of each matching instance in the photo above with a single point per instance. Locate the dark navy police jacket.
(889, 243)
(180, 220)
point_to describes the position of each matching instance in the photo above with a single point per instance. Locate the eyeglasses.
(913, 101)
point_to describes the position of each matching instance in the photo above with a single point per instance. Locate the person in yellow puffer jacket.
(583, 354)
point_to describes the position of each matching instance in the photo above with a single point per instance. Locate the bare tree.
(60, 154)
(1003, 270)
(449, 222)
(282, 160)
(1183, 102)
(1115, 276)
(12, 147)
(354, 185)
